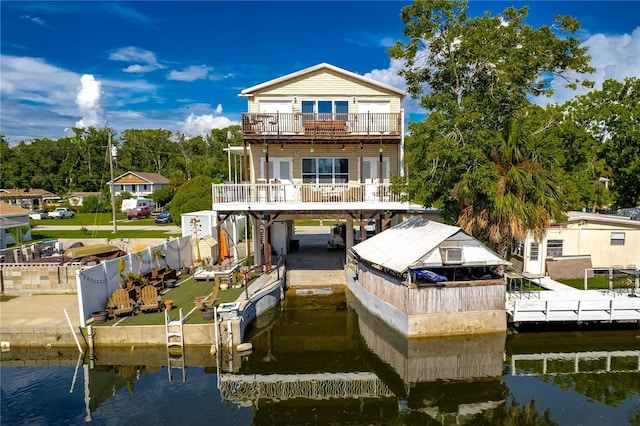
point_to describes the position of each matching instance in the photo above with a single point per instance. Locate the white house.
(607, 240)
(138, 184)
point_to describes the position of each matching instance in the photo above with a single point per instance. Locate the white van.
(132, 203)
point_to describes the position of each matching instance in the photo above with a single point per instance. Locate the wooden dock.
(575, 309)
(561, 303)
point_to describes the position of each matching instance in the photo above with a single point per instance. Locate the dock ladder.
(175, 344)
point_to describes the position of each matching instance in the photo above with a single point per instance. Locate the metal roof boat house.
(425, 278)
(322, 142)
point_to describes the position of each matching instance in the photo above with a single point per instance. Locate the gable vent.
(452, 255)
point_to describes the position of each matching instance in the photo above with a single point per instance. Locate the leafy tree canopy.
(485, 154)
(193, 195)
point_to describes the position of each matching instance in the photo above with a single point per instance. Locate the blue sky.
(181, 65)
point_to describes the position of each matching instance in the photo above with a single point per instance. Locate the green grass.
(90, 219)
(41, 235)
(595, 283)
(183, 296)
(6, 298)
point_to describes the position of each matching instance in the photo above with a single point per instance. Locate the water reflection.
(320, 360)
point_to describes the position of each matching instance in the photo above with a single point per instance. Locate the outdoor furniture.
(122, 302)
(149, 299)
(203, 303)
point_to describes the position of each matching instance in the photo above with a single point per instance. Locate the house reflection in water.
(354, 366)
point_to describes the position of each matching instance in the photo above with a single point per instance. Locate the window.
(325, 170)
(327, 110)
(534, 250)
(617, 238)
(554, 248)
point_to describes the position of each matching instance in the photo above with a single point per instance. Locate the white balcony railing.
(262, 193)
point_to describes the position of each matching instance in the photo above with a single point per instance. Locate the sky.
(181, 65)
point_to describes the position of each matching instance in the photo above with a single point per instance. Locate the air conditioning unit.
(452, 255)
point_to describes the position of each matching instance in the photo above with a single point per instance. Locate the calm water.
(318, 360)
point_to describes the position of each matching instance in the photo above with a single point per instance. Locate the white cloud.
(613, 57)
(201, 125)
(145, 60)
(191, 73)
(390, 77)
(88, 100)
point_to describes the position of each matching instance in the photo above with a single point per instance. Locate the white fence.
(96, 283)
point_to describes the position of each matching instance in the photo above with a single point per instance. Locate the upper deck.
(315, 126)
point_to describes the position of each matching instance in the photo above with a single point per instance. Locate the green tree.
(475, 77)
(611, 118)
(193, 195)
(148, 150)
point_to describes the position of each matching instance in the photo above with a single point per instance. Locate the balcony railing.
(262, 193)
(322, 125)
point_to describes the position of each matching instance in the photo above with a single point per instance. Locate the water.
(318, 360)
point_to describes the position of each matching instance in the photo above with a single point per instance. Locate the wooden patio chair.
(149, 299)
(123, 304)
(208, 301)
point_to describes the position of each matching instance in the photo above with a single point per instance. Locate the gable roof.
(20, 193)
(415, 244)
(8, 210)
(139, 177)
(316, 68)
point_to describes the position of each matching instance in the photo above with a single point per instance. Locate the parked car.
(38, 215)
(164, 217)
(62, 213)
(139, 212)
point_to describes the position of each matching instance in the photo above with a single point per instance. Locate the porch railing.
(315, 125)
(303, 193)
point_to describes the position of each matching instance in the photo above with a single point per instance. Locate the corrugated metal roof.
(415, 242)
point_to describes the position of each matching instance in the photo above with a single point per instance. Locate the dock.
(562, 303)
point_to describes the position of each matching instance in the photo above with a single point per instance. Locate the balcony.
(316, 195)
(321, 126)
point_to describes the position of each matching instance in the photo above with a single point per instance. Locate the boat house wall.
(463, 307)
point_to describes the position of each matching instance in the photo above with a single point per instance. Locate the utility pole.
(113, 195)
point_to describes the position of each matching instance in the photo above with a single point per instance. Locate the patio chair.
(149, 299)
(123, 304)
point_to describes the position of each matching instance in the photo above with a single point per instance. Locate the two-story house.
(138, 184)
(322, 142)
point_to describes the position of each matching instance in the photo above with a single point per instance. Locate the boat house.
(425, 278)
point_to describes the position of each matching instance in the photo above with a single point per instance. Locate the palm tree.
(517, 191)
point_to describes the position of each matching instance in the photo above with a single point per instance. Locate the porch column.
(255, 237)
(349, 232)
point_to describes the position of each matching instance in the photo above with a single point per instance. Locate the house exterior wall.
(325, 85)
(296, 152)
(592, 238)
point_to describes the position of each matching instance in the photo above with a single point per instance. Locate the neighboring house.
(77, 198)
(607, 240)
(138, 184)
(322, 142)
(13, 217)
(28, 198)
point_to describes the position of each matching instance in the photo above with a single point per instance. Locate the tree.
(192, 196)
(475, 77)
(516, 191)
(611, 117)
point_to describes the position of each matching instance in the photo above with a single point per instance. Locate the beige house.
(77, 198)
(28, 198)
(138, 184)
(607, 240)
(322, 142)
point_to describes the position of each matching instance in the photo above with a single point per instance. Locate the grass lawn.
(41, 235)
(182, 295)
(596, 283)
